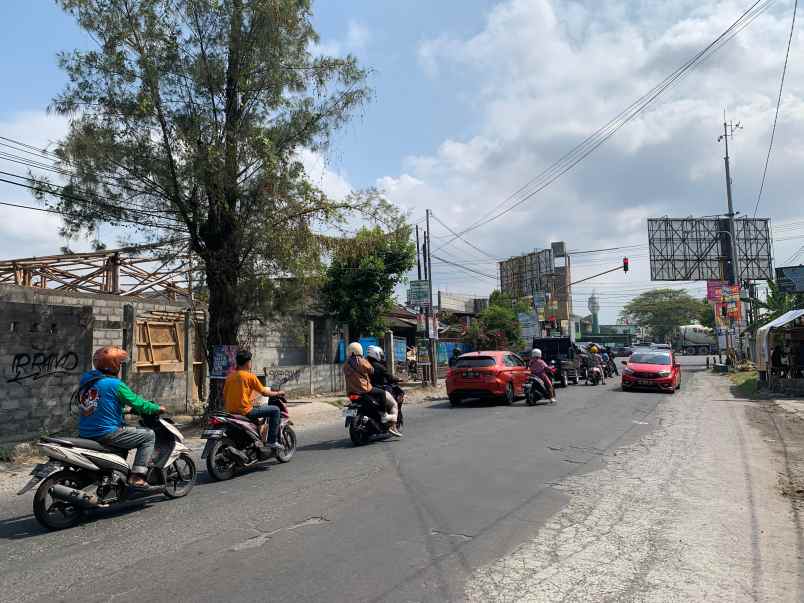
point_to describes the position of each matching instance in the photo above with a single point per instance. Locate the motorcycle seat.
(80, 443)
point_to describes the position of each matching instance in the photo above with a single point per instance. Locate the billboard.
(698, 249)
(790, 279)
(523, 275)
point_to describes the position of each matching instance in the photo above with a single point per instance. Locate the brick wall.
(44, 407)
(43, 351)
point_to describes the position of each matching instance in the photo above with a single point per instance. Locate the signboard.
(223, 361)
(699, 249)
(432, 331)
(419, 293)
(521, 276)
(714, 290)
(400, 350)
(528, 326)
(790, 279)
(422, 352)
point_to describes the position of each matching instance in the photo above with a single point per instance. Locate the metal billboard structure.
(527, 274)
(699, 249)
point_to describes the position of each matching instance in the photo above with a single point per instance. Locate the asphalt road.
(401, 520)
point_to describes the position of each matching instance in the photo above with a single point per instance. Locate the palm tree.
(776, 304)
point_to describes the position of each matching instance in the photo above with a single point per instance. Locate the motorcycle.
(234, 441)
(83, 474)
(595, 375)
(363, 416)
(535, 390)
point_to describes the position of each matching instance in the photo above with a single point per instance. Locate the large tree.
(497, 326)
(362, 275)
(187, 121)
(663, 310)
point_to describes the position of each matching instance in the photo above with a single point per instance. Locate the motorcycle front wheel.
(180, 477)
(55, 514)
(219, 466)
(288, 439)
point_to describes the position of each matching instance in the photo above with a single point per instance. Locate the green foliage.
(497, 327)
(663, 310)
(187, 123)
(360, 280)
(776, 304)
(707, 314)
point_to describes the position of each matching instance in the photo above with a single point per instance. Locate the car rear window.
(642, 358)
(475, 362)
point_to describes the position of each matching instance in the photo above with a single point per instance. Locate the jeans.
(272, 414)
(126, 438)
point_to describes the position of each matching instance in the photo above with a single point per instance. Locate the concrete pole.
(735, 269)
(311, 356)
(189, 356)
(389, 346)
(431, 314)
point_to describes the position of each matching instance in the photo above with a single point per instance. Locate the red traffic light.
(625, 264)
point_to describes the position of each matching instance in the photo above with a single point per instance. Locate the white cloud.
(544, 74)
(357, 39)
(358, 36)
(335, 184)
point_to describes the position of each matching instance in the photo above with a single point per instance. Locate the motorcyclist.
(596, 361)
(612, 361)
(381, 378)
(539, 368)
(358, 373)
(102, 398)
(241, 387)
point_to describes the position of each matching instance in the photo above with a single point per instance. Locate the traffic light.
(625, 264)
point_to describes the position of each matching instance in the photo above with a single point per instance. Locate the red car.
(498, 375)
(655, 369)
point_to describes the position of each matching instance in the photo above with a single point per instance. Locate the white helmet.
(536, 353)
(354, 349)
(375, 351)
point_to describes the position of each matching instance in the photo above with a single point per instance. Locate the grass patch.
(746, 384)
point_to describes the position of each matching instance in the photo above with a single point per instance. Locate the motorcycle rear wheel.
(358, 436)
(57, 514)
(219, 466)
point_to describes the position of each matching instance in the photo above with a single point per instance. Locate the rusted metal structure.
(142, 272)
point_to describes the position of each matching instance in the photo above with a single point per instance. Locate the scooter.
(234, 441)
(82, 475)
(594, 375)
(535, 390)
(363, 416)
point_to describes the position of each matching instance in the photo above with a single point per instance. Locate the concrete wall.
(43, 351)
(40, 410)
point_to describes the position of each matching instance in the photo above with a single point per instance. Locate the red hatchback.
(656, 369)
(499, 375)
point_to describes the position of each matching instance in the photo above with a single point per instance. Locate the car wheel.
(509, 394)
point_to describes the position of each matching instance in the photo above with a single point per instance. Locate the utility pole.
(431, 312)
(418, 256)
(728, 130)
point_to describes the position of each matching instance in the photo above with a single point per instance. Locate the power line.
(778, 105)
(472, 245)
(592, 142)
(494, 278)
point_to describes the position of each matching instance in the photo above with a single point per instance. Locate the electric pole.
(728, 130)
(431, 311)
(418, 254)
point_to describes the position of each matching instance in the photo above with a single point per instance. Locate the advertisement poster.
(223, 361)
(714, 290)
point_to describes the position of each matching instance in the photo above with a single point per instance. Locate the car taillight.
(215, 421)
(354, 397)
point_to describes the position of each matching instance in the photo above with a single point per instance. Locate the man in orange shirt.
(239, 389)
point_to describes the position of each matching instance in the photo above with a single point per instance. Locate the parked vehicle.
(234, 441)
(82, 474)
(621, 352)
(487, 375)
(363, 416)
(561, 351)
(658, 369)
(696, 339)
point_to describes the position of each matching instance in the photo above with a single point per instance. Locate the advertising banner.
(223, 361)
(419, 293)
(714, 290)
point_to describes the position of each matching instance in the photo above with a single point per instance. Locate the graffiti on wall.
(280, 375)
(38, 365)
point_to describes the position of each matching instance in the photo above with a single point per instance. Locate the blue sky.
(475, 97)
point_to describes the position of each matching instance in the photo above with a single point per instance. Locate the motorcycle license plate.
(349, 412)
(212, 433)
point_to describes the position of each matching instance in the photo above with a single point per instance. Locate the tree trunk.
(225, 313)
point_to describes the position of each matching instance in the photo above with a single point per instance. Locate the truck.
(563, 352)
(695, 339)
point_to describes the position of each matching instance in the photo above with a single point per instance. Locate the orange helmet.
(109, 359)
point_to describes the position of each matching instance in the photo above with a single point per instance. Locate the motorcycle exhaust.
(76, 497)
(236, 455)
